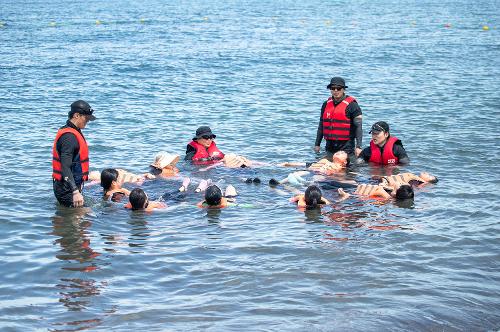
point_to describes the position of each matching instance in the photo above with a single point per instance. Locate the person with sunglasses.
(384, 149)
(340, 122)
(202, 149)
(70, 156)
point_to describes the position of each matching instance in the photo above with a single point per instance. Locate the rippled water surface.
(255, 71)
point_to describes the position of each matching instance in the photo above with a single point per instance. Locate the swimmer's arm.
(211, 166)
(295, 198)
(343, 195)
(325, 201)
(292, 164)
(155, 205)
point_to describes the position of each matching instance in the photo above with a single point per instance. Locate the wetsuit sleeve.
(319, 133)
(190, 152)
(353, 111)
(358, 124)
(66, 146)
(400, 152)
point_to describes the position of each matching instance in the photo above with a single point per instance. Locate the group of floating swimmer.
(340, 125)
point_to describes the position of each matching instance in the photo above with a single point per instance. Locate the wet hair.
(405, 192)
(154, 170)
(138, 199)
(435, 180)
(213, 195)
(108, 175)
(313, 196)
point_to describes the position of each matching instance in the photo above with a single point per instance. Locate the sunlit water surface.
(256, 72)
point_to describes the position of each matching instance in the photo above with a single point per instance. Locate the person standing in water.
(384, 149)
(340, 122)
(70, 156)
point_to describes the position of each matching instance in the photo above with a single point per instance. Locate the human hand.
(342, 193)
(149, 176)
(357, 152)
(77, 199)
(316, 148)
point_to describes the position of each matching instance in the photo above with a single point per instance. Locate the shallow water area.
(255, 72)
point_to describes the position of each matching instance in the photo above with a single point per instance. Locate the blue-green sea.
(256, 73)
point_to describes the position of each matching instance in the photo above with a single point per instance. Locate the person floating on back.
(164, 165)
(70, 156)
(340, 161)
(402, 192)
(384, 149)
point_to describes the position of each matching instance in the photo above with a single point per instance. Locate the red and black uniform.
(70, 163)
(201, 155)
(391, 153)
(337, 125)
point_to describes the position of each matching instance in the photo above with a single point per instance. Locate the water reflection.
(139, 232)
(71, 226)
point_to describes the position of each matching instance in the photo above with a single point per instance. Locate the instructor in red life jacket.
(340, 122)
(202, 149)
(384, 149)
(70, 156)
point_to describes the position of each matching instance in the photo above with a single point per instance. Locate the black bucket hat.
(337, 81)
(203, 131)
(82, 107)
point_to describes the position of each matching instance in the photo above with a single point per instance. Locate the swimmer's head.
(108, 175)
(312, 196)
(341, 157)
(138, 199)
(428, 178)
(404, 192)
(213, 195)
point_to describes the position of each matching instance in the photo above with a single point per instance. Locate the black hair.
(138, 199)
(108, 175)
(313, 196)
(405, 192)
(154, 170)
(435, 180)
(213, 195)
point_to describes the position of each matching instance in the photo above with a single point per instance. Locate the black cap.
(82, 107)
(380, 126)
(337, 81)
(203, 131)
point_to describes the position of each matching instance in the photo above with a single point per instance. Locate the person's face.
(337, 92)
(81, 120)
(427, 177)
(205, 140)
(340, 157)
(379, 137)
(169, 170)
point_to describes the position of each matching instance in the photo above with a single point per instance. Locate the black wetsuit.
(68, 149)
(398, 150)
(356, 131)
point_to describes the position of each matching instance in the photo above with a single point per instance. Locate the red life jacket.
(387, 157)
(82, 160)
(336, 126)
(204, 155)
